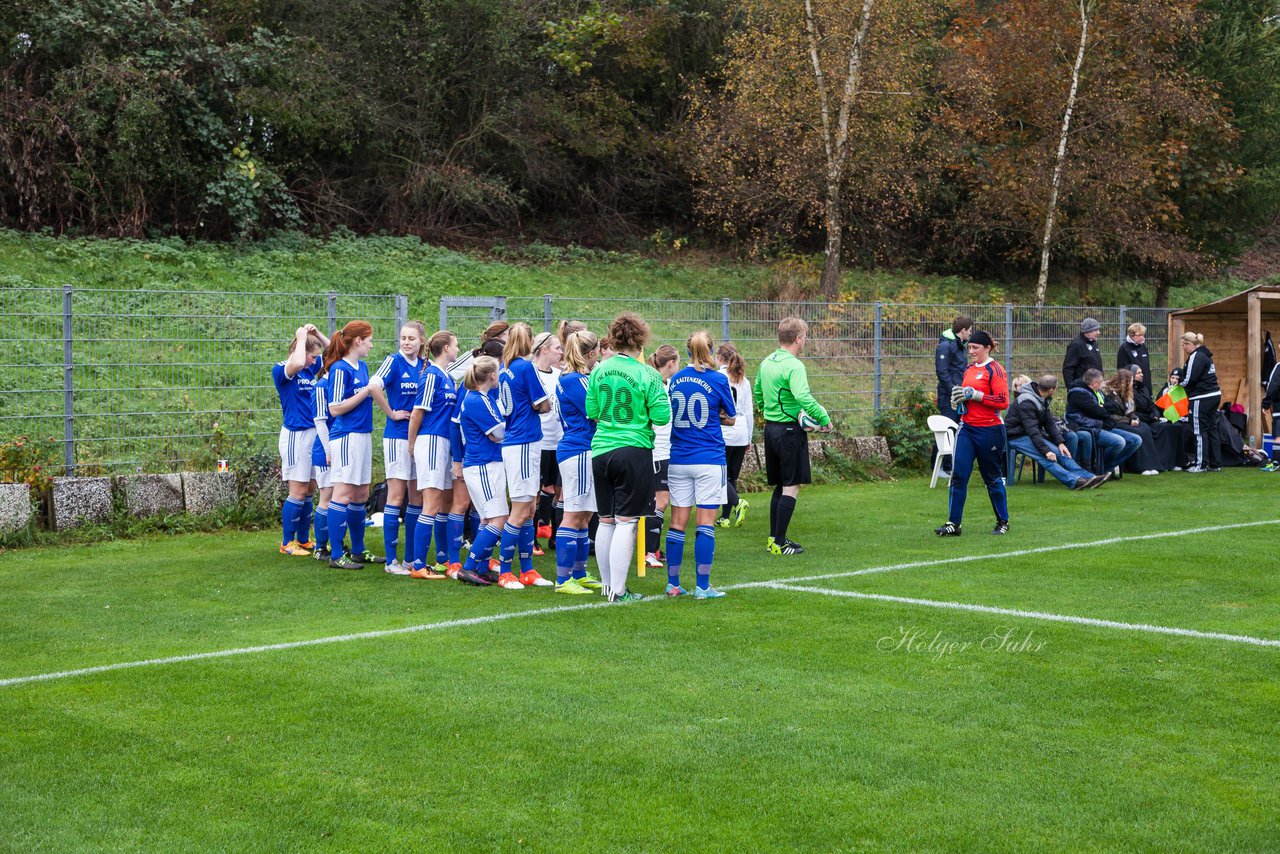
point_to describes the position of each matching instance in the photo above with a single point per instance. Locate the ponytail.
(519, 343)
(700, 345)
(576, 350)
(663, 356)
(481, 370)
(733, 361)
(342, 341)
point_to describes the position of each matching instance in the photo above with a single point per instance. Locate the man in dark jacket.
(950, 361)
(1086, 410)
(1082, 353)
(1134, 352)
(1032, 430)
(1271, 401)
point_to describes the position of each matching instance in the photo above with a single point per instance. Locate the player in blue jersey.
(429, 437)
(481, 427)
(320, 462)
(573, 455)
(295, 379)
(395, 388)
(701, 401)
(523, 400)
(350, 440)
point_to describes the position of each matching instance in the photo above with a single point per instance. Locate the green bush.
(904, 425)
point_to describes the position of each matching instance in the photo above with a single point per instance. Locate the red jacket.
(993, 382)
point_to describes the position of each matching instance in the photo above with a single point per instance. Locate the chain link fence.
(113, 381)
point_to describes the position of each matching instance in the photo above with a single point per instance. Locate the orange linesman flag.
(1174, 404)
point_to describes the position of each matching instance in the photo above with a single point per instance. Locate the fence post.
(724, 319)
(878, 364)
(68, 388)
(1008, 336)
(402, 315)
(1124, 323)
(546, 312)
(333, 313)
(444, 315)
(499, 310)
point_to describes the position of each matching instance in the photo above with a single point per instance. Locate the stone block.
(15, 507)
(868, 449)
(151, 494)
(80, 499)
(206, 491)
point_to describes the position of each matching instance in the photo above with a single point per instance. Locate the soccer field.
(1107, 676)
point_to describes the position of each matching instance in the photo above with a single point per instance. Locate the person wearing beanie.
(980, 400)
(1082, 353)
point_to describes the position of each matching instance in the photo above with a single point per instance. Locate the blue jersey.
(437, 398)
(520, 391)
(477, 418)
(320, 412)
(696, 400)
(346, 380)
(400, 379)
(296, 394)
(571, 394)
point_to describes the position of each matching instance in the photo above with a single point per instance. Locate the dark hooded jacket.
(1082, 354)
(1199, 376)
(1029, 416)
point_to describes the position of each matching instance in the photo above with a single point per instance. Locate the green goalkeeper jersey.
(626, 398)
(782, 389)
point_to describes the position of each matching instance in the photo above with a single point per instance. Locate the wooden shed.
(1233, 329)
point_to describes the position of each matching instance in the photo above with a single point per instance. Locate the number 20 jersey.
(696, 400)
(624, 398)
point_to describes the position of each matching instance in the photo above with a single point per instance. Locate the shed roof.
(1236, 303)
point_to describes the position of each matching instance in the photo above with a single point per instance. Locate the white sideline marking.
(775, 583)
(1110, 541)
(1032, 615)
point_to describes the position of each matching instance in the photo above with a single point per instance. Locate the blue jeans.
(1117, 446)
(1065, 469)
(1080, 444)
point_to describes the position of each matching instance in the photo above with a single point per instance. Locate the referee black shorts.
(786, 454)
(624, 482)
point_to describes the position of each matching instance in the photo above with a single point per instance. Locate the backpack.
(377, 499)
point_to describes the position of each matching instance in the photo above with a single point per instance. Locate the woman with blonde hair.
(395, 390)
(523, 400)
(1199, 379)
(482, 428)
(1133, 351)
(430, 429)
(573, 457)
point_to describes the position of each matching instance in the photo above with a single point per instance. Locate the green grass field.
(784, 717)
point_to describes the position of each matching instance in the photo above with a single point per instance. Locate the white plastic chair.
(944, 435)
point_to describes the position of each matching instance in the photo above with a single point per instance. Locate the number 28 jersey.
(625, 397)
(696, 400)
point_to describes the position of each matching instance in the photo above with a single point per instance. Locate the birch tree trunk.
(1042, 285)
(835, 139)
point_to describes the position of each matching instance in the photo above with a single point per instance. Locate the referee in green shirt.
(781, 393)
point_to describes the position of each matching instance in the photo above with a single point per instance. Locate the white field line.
(967, 558)
(494, 618)
(1031, 615)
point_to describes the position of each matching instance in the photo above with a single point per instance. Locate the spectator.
(1086, 411)
(1119, 403)
(1082, 353)
(1169, 445)
(1134, 352)
(1271, 401)
(1200, 382)
(1015, 386)
(1033, 431)
(950, 362)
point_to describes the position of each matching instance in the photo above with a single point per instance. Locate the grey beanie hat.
(1089, 325)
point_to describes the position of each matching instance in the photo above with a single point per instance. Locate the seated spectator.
(1118, 400)
(1016, 384)
(1032, 430)
(1086, 410)
(1079, 442)
(1170, 449)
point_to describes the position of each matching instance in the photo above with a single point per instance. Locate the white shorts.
(322, 477)
(524, 470)
(487, 485)
(352, 458)
(295, 454)
(698, 485)
(579, 484)
(396, 459)
(433, 462)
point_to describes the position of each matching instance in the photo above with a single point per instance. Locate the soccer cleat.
(397, 568)
(427, 572)
(708, 592)
(322, 554)
(508, 581)
(491, 575)
(739, 513)
(651, 561)
(590, 582)
(537, 550)
(1271, 466)
(544, 532)
(676, 590)
(531, 578)
(293, 548)
(475, 579)
(1002, 527)
(770, 545)
(572, 588)
(495, 565)
(791, 547)
(625, 596)
(345, 561)
(308, 545)
(442, 568)
(724, 522)
(951, 529)
(453, 570)
(369, 557)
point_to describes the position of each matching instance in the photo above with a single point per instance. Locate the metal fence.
(109, 381)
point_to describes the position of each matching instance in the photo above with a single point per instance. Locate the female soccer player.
(737, 439)
(666, 361)
(548, 358)
(981, 398)
(295, 380)
(482, 428)
(573, 456)
(523, 400)
(429, 437)
(626, 399)
(1200, 382)
(320, 462)
(395, 390)
(701, 401)
(350, 440)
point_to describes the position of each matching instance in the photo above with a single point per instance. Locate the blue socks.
(322, 527)
(486, 539)
(704, 551)
(411, 513)
(527, 539)
(290, 515)
(304, 524)
(675, 555)
(355, 527)
(510, 545)
(422, 541)
(584, 552)
(337, 527)
(566, 553)
(390, 531)
(440, 522)
(453, 530)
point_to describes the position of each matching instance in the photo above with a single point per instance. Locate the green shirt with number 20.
(626, 398)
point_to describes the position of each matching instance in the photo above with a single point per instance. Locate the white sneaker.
(1150, 472)
(509, 582)
(396, 568)
(652, 562)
